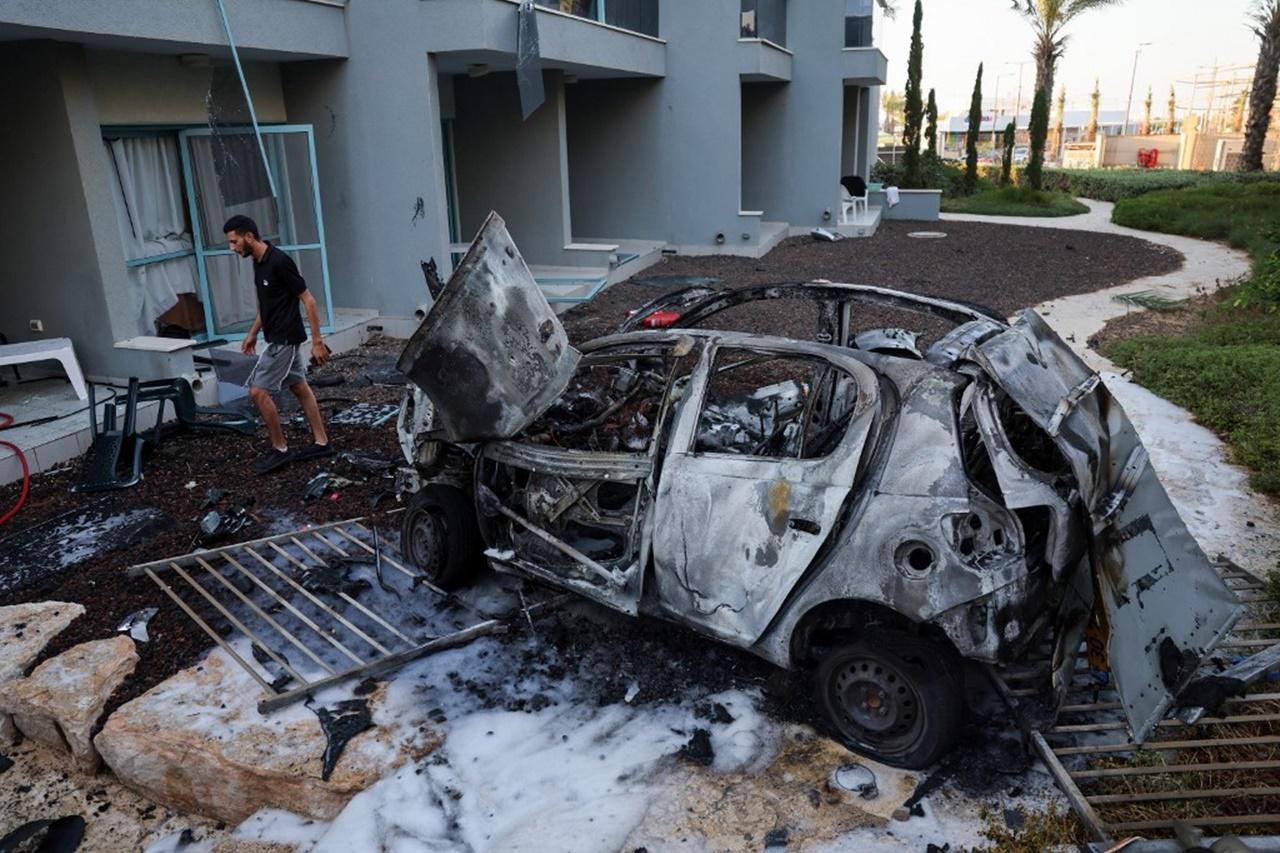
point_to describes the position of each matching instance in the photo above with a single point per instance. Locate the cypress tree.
(931, 125)
(1006, 165)
(971, 138)
(1039, 132)
(914, 107)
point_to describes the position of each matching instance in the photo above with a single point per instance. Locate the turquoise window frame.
(201, 253)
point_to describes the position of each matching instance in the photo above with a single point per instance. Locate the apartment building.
(388, 129)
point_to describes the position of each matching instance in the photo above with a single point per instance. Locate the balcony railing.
(765, 19)
(639, 16)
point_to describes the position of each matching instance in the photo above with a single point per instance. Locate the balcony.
(765, 20)
(639, 16)
(864, 66)
(761, 61)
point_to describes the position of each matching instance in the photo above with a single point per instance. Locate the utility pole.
(995, 111)
(1017, 110)
(1132, 77)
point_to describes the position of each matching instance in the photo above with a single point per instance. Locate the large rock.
(25, 630)
(197, 743)
(60, 702)
(796, 802)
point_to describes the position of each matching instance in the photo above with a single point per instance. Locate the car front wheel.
(898, 698)
(439, 535)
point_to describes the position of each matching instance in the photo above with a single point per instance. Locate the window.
(776, 407)
(639, 16)
(174, 189)
(857, 23)
(765, 19)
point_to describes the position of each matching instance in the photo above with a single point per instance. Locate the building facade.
(389, 129)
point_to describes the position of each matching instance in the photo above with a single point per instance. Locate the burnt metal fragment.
(340, 724)
(699, 750)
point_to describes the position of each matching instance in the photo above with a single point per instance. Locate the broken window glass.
(779, 407)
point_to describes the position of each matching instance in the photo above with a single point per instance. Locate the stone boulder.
(60, 702)
(25, 630)
(197, 743)
(795, 802)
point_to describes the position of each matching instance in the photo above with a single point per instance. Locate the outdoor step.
(25, 631)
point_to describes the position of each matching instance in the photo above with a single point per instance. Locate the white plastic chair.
(57, 349)
(849, 205)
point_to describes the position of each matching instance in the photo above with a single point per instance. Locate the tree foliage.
(1010, 140)
(1095, 98)
(891, 106)
(931, 124)
(1266, 24)
(1048, 20)
(914, 109)
(1039, 131)
(1171, 120)
(1058, 121)
(971, 138)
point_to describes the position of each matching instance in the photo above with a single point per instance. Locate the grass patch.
(1014, 201)
(1241, 214)
(1226, 371)
(1117, 184)
(1052, 829)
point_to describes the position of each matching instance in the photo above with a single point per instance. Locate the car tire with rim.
(439, 535)
(898, 699)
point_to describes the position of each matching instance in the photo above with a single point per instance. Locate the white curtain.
(152, 218)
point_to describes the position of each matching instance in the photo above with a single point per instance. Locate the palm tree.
(1094, 99)
(1058, 119)
(1145, 128)
(1171, 120)
(1237, 112)
(1049, 19)
(1266, 20)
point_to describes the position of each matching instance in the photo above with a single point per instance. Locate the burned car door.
(569, 500)
(490, 353)
(762, 460)
(1160, 605)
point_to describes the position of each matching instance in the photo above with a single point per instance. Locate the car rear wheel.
(898, 699)
(440, 537)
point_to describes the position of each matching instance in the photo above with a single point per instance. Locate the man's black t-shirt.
(279, 284)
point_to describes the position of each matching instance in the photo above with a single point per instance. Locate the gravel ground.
(1002, 267)
(1016, 267)
(209, 460)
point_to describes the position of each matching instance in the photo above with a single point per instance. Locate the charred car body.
(851, 504)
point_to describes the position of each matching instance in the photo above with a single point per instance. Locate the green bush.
(1013, 201)
(1227, 373)
(935, 174)
(1117, 184)
(1242, 213)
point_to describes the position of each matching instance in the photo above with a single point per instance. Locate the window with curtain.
(154, 231)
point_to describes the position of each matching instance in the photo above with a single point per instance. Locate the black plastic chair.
(101, 468)
(190, 416)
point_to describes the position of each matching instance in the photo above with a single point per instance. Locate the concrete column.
(378, 146)
(869, 122)
(62, 263)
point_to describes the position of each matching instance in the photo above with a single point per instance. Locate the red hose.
(5, 421)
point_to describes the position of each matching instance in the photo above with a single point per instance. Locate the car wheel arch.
(838, 621)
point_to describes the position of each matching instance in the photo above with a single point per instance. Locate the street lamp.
(995, 110)
(1132, 77)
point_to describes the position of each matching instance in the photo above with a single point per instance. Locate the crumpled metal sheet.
(1155, 583)
(490, 355)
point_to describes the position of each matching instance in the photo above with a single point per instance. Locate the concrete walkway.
(1213, 496)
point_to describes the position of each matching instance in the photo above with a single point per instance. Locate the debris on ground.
(365, 415)
(341, 723)
(135, 624)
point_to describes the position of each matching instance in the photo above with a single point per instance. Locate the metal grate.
(1222, 773)
(260, 588)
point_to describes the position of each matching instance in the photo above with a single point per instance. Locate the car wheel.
(439, 535)
(898, 699)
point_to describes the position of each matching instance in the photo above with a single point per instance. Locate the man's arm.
(250, 343)
(318, 350)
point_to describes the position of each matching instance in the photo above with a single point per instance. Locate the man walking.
(280, 287)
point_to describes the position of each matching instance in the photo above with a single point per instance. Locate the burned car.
(854, 505)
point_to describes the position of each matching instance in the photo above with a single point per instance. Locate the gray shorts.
(279, 365)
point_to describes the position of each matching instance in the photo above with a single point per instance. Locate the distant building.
(1075, 124)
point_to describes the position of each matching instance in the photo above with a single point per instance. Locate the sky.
(1186, 36)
